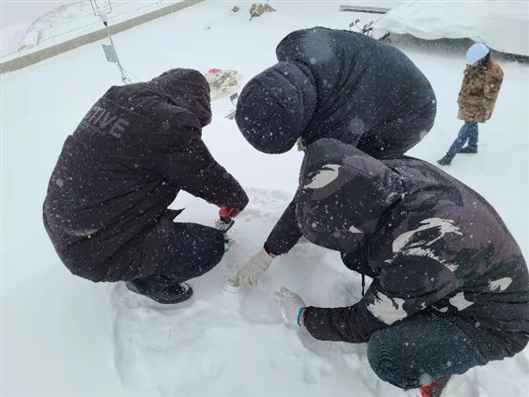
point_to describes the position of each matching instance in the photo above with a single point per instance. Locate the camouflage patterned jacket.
(429, 242)
(479, 91)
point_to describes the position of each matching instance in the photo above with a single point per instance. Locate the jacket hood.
(188, 89)
(344, 193)
(275, 107)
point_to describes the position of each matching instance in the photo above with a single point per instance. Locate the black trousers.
(421, 349)
(181, 251)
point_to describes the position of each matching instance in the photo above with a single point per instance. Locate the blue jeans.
(421, 349)
(469, 132)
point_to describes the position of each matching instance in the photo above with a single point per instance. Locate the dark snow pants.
(428, 347)
(181, 251)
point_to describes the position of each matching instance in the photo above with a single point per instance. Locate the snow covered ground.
(62, 20)
(63, 336)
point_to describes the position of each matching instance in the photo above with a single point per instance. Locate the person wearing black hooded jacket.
(450, 287)
(106, 208)
(331, 84)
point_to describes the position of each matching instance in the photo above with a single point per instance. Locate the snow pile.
(502, 25)
(64, 336)
(205, 334)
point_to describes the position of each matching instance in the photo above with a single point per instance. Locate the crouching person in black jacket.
(332, 84)
(106, 209)
(450, 287)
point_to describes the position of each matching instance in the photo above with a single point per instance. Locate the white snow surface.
(65, 336)
(502, 25)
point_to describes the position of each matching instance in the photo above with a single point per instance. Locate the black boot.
(446, 160)
(161, 289)
(469, 149)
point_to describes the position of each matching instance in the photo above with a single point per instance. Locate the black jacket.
(429, 242)
(337, 84)
(124, 165)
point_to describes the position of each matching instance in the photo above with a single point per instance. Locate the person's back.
(361, 84)
(123, 166)
(479, 90)
(103, 185)
(341, 85)
(494, 283)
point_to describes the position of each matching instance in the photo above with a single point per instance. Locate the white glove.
(247, 276)
(291, 306)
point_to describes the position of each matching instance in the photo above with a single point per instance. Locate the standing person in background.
(479, 91)
(106, 209)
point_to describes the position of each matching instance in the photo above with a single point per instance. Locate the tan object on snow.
(258, 9)
(222, 82)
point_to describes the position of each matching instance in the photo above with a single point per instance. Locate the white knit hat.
(476, 52)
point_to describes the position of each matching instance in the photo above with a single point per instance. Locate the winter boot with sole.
(469, 149)
(434, 389)
(161, 289)
(446, 160)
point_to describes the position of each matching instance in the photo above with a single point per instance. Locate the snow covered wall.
(503, 25)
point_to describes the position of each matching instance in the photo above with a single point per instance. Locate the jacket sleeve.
(409, 284)
(493, 84)
(193, 169)
(285, 234)
(464, 96)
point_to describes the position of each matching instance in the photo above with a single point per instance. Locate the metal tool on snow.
(233, 99)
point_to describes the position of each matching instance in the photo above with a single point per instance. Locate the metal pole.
(124, 78)
(103, 14)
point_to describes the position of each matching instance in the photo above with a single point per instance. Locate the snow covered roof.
(502, 25)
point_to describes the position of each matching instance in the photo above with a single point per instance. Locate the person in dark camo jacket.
(450, 286)
(106, 208)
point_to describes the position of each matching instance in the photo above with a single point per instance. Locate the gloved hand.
(291, 306)
(224, 224)
(225, 221)
(247, 276)
(228, 213)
